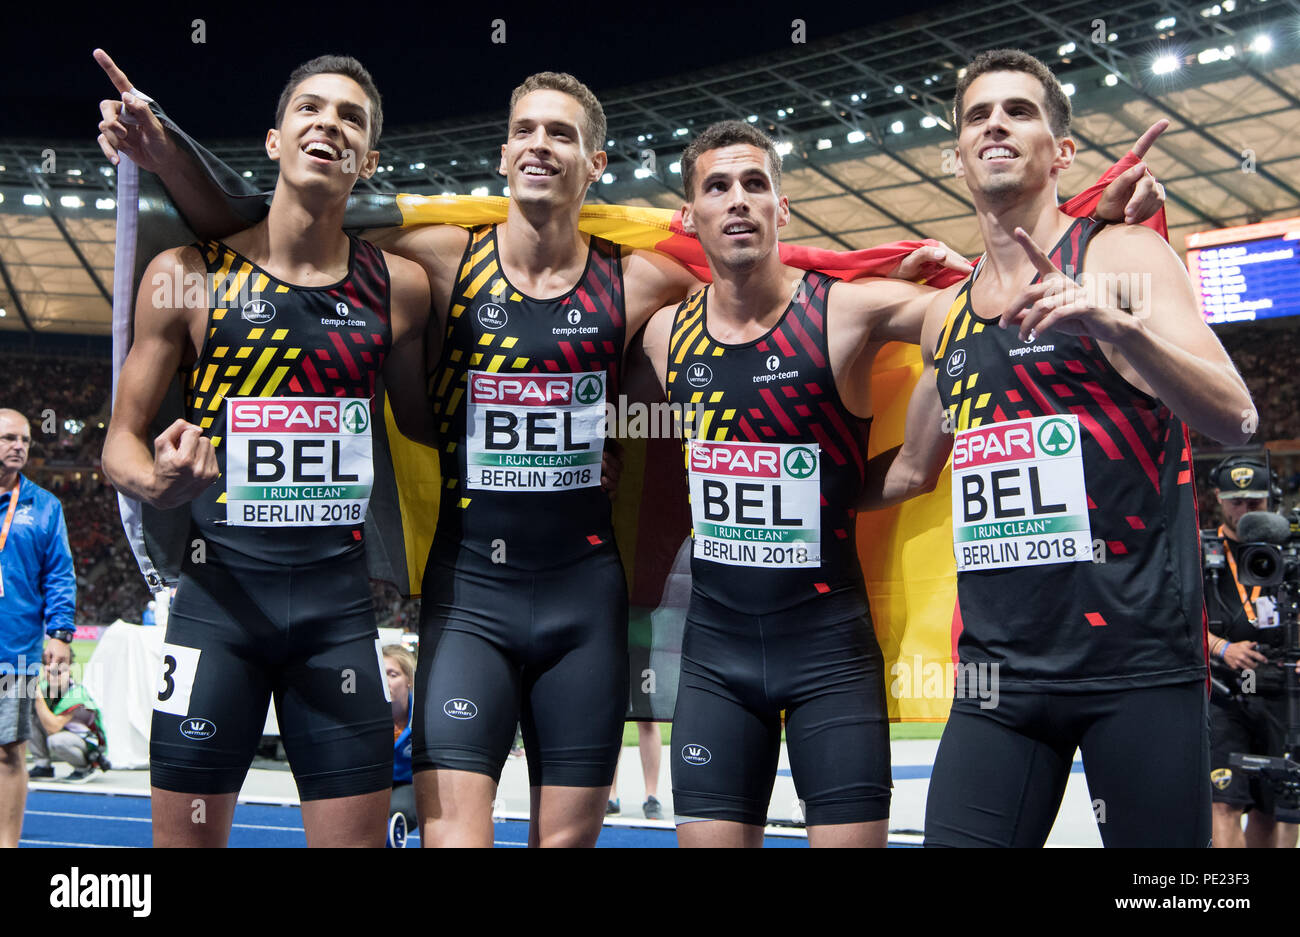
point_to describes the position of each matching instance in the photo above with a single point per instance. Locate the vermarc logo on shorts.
(460, 709)
(198, 730)
(695, 755)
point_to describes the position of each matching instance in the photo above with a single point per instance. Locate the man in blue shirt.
(37, 598)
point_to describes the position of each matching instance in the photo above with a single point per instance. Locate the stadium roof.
(864, 118)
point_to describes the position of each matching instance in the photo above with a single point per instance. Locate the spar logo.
(198, 730)
(1056, 437)
(460, 709)
(492, 316)
(309, 415)
(800, 462)
(589, 389)
(730, 459)
(355, 418)
(695, 755)
(519, 390)
(258, 311)
(956, 362)
(1000, 442)
(699, 375)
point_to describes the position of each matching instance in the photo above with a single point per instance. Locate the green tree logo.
(589, 389)
(355, 418)
(1056, 437)
(800, 462)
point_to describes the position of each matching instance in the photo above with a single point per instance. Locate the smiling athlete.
(278, 357)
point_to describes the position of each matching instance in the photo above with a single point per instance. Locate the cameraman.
(1253, 721)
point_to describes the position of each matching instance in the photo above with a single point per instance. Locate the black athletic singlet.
(1133, 616)
(514, 393)
(762, 517)
(291, 489)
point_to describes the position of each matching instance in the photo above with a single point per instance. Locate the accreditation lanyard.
(9, 515)
(1247, 603)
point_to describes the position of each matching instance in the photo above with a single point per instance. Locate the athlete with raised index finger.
(278, 357)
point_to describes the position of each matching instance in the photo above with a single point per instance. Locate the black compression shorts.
(1000, 772)
(242, 632)
(1252, 725)
(820, 663)
(546, 649)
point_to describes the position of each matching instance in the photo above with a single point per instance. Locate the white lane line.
(56, 842)
(100, 816)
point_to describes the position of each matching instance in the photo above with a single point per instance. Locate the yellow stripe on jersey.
(477, 283)
(262, 361)
(237, 284)
(686, 344)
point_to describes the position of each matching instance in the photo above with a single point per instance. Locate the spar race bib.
(1018, 496)
(534, 432)
(297, 461)
(756, 504)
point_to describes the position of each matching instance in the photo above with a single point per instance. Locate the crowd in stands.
(76, 389)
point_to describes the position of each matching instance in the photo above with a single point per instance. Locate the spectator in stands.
(37, 598)
(68, 727)
(399, 669)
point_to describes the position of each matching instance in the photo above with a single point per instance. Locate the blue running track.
(101, 821)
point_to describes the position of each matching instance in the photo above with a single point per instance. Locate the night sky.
(430, 61)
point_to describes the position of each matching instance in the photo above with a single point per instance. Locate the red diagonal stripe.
(337, 341)
(809, 345)
(1126, 430)
(1035, 394)
(313, 378)
(824, 440)
(833, 417)
(566, 348)
(1096, 619)
(783, 343)
(1087, 421)
(769, 398)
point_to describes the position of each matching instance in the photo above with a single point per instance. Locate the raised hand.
(128, 125)
(1134, 195)
(1056, 301)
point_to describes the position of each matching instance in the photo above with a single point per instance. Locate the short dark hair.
(728, 133)
(1013, 60)
(344, 65)
(567, 84)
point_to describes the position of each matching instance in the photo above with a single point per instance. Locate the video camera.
(1268, 557)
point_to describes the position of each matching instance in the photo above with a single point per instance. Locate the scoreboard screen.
(1247, 273)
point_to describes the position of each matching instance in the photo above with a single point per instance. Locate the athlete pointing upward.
(278, 364)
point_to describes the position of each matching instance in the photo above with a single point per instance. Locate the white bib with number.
(1018, 496)
(756, 504)
(534, 432)
(297, 461)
